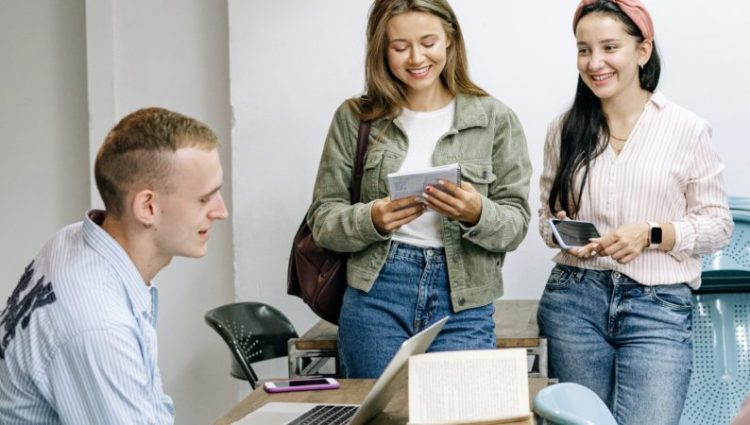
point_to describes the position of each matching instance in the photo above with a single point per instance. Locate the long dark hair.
(585, 121)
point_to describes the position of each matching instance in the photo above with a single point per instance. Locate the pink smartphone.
(304, 384)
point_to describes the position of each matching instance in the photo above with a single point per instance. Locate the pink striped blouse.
(666, 172)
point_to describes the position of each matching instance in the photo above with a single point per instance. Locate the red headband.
(634, 9)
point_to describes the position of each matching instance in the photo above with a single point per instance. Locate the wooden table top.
(515, 326)
(351, 391)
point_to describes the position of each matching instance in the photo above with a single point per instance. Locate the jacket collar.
(469, 113)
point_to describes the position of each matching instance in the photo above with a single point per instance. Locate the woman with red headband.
(617, 311)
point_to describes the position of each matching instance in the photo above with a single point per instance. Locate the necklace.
(617, 138)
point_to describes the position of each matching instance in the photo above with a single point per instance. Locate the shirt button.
(461, 301)
(456, 257)
(473, 233)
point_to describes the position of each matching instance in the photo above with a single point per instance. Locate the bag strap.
(359, 165)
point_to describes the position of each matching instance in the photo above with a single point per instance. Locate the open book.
(413, 183)
(468, 387)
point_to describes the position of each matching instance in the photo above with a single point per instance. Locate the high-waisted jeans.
(629, 343)
(410, 294)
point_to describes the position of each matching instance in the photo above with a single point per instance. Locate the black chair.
(253, 331)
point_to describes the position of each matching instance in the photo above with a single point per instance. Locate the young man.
(78, 335)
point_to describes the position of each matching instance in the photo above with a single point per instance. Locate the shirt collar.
(142, 297)
(658, 100)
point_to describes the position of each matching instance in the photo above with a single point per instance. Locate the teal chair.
(721, 329)
(571, 404)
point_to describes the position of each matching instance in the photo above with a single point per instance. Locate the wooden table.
(515, 327)
(351, 391)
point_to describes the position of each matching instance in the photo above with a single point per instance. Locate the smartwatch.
(654, 237)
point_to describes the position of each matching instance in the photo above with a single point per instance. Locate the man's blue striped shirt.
(78, 337)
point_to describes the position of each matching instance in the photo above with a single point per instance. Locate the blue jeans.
(410, 293)
(631, 344)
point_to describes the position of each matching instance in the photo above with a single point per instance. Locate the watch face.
(655, 235)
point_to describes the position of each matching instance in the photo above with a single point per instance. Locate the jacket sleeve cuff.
(489, 215)
(365, 226)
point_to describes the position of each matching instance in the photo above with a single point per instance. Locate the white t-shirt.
(423, 130)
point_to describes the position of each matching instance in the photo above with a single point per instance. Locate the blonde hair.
(139, 150)
(385, 94)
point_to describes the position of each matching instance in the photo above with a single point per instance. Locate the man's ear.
(144, 207)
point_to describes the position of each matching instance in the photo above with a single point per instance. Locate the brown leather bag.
(318, 275)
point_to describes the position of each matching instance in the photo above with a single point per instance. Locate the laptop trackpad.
(275, 413)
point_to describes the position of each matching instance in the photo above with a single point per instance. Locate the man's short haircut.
(138, 153)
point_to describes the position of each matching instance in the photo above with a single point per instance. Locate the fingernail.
(424, 195)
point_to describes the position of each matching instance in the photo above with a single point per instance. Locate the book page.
(466, 386)
(401, 185)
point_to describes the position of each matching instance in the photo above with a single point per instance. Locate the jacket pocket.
(480, 175)
(371, 175)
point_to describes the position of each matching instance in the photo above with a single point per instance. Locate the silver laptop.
(377, 399)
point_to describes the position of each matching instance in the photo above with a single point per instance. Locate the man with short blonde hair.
(78, 335)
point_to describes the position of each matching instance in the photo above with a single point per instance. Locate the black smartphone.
(573, 233)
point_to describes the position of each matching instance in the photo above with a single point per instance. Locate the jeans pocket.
(674, 297)
(561, 277)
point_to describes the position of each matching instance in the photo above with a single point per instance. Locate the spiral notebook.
(401, 185)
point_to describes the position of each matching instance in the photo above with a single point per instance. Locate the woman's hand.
(462, 203)
(388, 216)
(583, 252)
(624, 243)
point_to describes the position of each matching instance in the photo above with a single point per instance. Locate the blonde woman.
(413, 260)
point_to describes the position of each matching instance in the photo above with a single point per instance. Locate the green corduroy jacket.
(486, 139)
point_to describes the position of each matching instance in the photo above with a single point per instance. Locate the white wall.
(294, 62)
(43, 165)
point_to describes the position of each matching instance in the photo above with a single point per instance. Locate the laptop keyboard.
(326, 415)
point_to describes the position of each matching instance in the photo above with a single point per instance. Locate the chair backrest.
(721, 329)
(253, 331)
(739, 203)
(721, 358)
(728, 270)
(571, 404)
